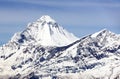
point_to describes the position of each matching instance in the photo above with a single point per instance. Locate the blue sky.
(81, 17)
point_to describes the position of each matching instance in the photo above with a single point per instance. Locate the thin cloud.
(65, 3)
(72, 3)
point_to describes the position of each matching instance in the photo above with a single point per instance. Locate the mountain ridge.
(45, 30)
(24, 56)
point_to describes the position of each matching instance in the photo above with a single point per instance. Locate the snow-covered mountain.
(44, 31)
(44, 50)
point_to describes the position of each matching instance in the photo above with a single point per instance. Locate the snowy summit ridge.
(45, 31)
(46, 18)
(44, 50)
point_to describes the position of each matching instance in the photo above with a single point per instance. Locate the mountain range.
(45, 50)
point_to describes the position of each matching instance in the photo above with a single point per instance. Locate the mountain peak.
(106, 37)
(46, 18)
(104, 31)
(42, 51)
(44, 32)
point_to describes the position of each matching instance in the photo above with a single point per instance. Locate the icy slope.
(25, 48)
(45, 31)
(88, 58)
(45, 50)
(85, 58)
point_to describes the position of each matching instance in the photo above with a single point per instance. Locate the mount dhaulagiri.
(45, 50)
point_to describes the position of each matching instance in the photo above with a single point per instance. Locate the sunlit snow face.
(45, 31)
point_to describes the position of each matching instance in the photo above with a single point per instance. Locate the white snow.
(46, 18)
(46, 32)
(44, 35)
(95, 34)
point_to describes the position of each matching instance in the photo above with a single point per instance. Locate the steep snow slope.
(96, 56)
(46, 50)
(87, 57)
(45, 31)
(24, 46)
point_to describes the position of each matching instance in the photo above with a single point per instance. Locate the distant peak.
(46, 18)
(45, 31)
(104, 31)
